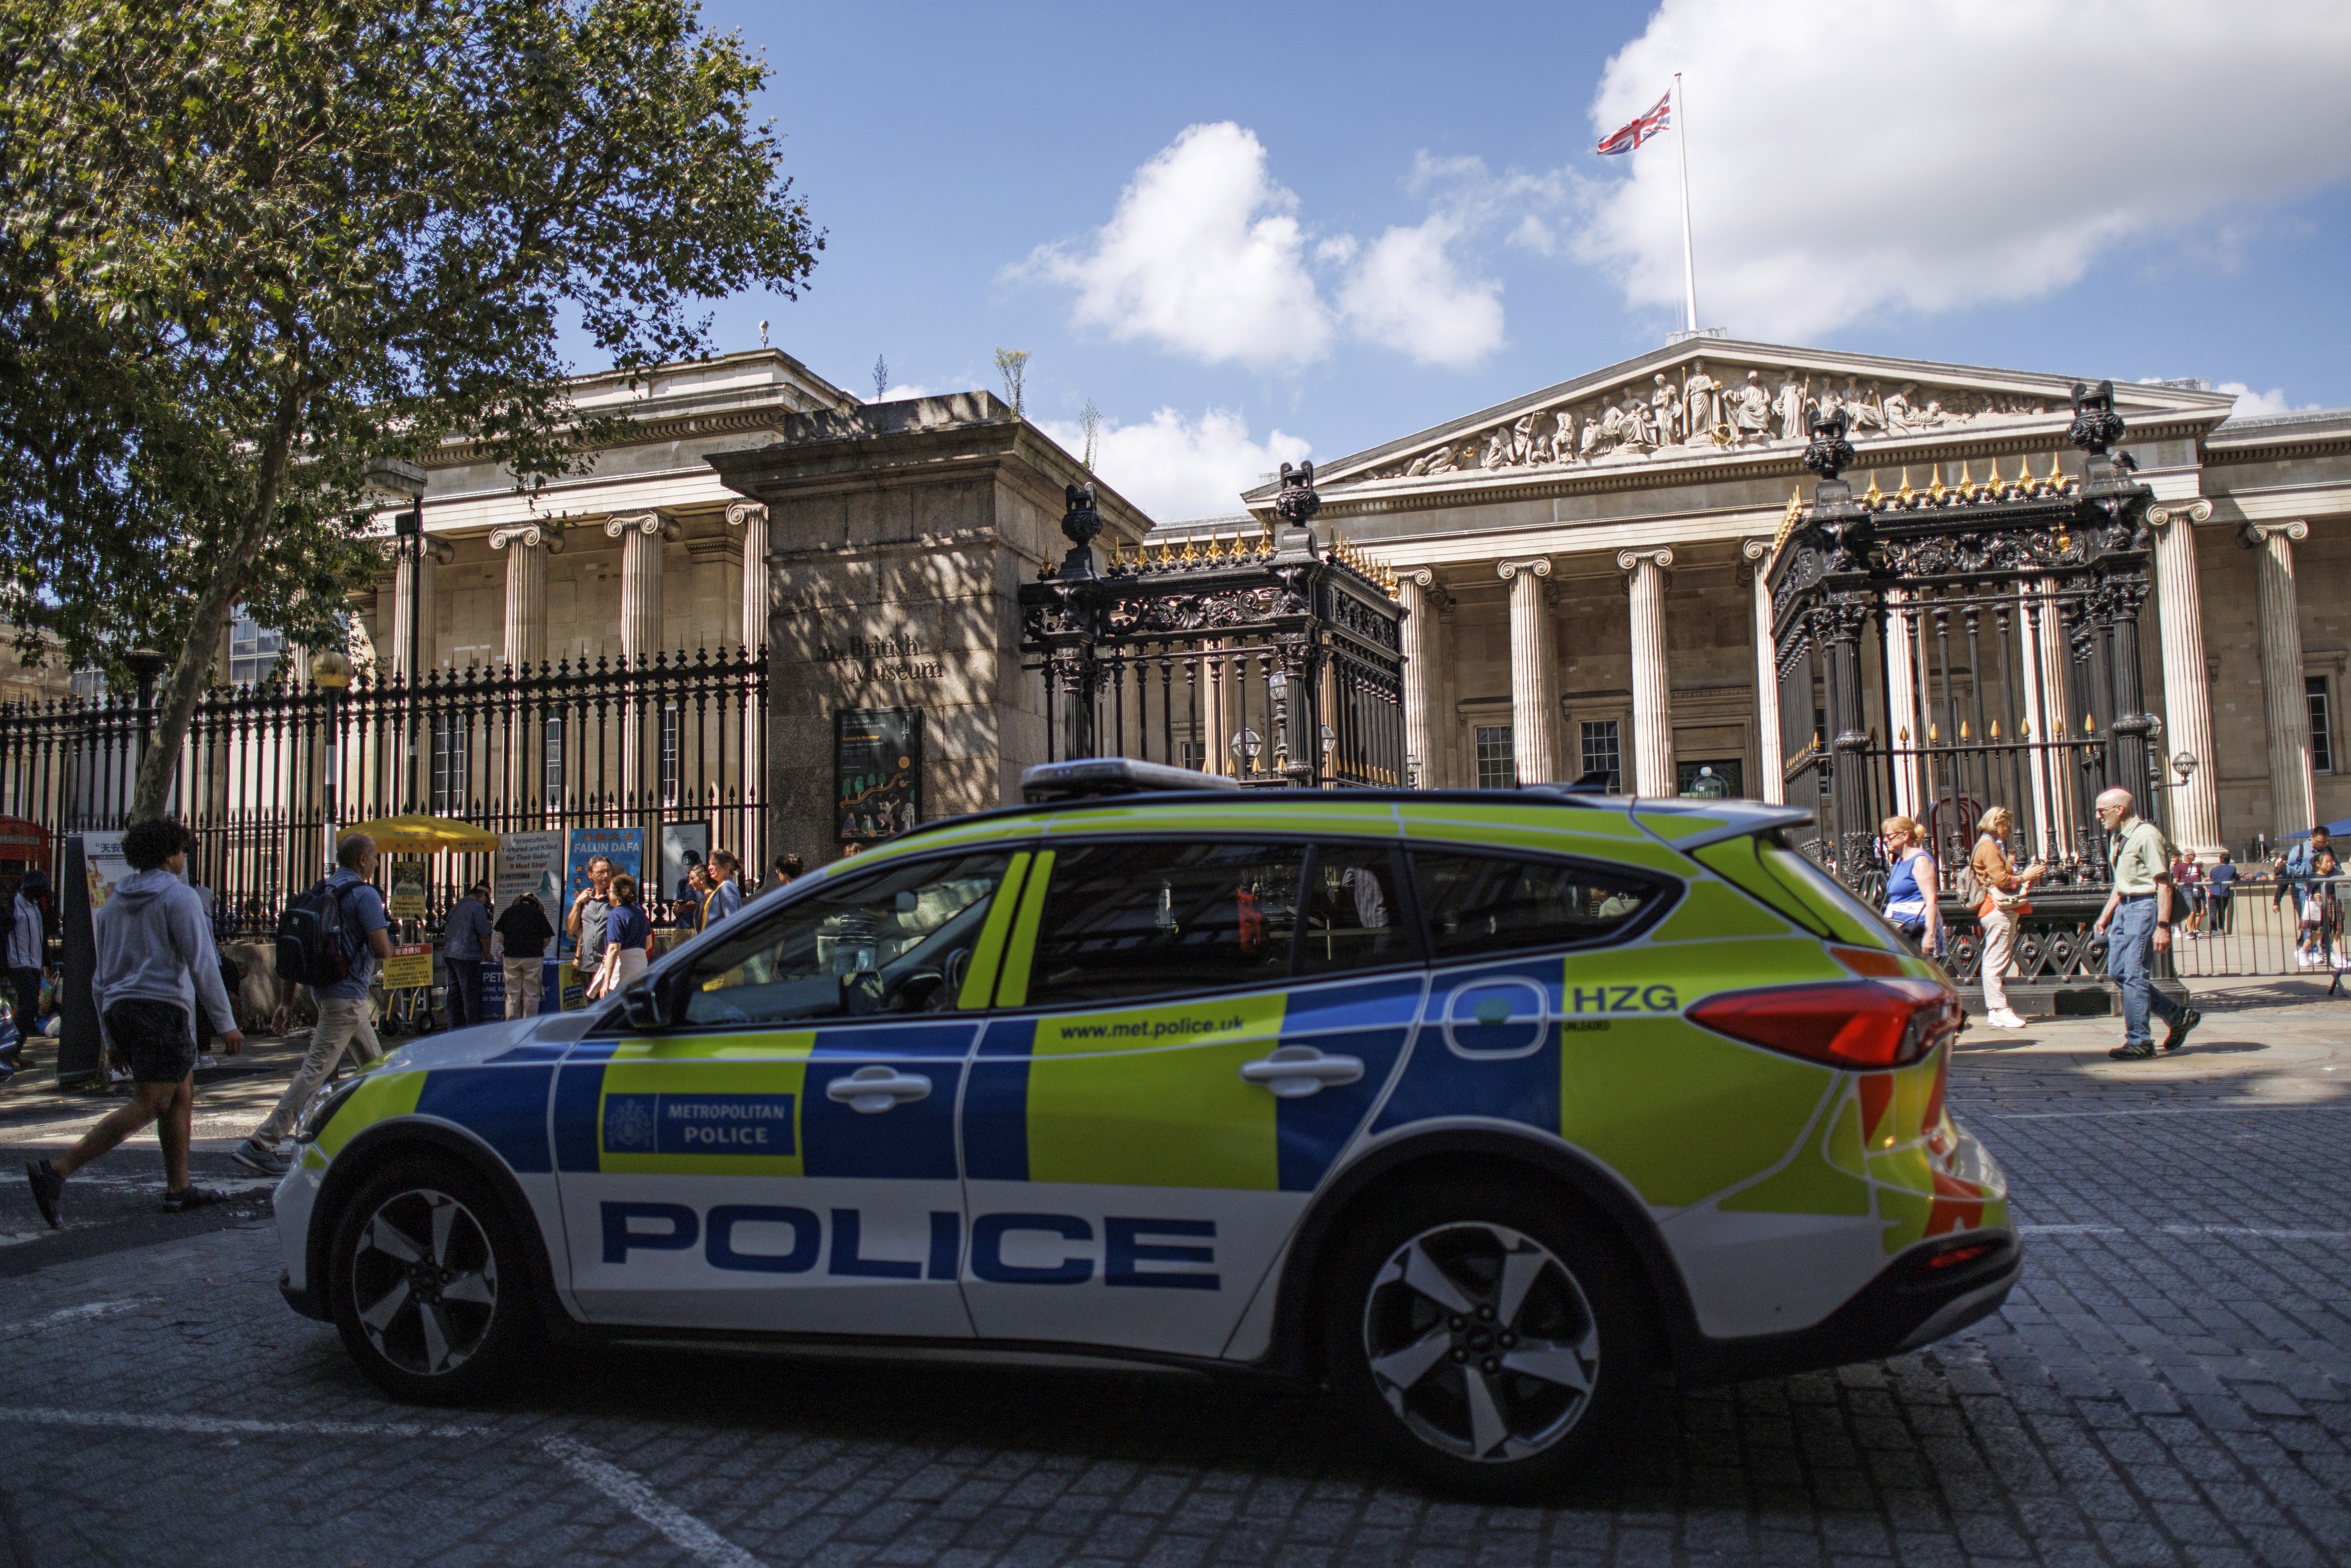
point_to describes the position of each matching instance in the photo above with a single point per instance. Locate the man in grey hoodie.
(155, 957)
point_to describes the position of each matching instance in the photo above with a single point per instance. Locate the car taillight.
(1859, 1024)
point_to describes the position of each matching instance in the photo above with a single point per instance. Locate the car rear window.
(1479, 903)
(1131, 920)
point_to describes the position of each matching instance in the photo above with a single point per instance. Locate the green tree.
(250, 245)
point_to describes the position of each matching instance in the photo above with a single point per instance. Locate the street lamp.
(330, 672)
(396, 476)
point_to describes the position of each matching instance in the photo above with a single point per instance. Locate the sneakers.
(2143, 1051)
(47, 1187)
(257, 1156)
(2177, 1034)
(193, 1196)
(2004, 1018)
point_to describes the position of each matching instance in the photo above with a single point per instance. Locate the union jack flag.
(1658, 118)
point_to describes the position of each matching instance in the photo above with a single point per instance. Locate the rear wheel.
(1490, 1337)
(428, 1286)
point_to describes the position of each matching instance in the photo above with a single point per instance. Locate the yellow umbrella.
(417, 834)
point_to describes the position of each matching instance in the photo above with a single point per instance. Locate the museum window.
(90, 684)
(450, 733)
(2322, 724)
(552, 760)
(1498, 761)
(673, 736)
(1604, 751)
(253, 651)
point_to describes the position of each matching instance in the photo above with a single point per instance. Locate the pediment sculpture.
(1697, 408)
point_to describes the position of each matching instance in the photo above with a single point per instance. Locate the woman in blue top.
(1911, 906)
(628, 940)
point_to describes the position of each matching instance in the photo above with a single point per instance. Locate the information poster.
(408, 968)
(624, 847)
(683, 846)
(877, 768)
(407, 900)
(533, 863)
(103, 866)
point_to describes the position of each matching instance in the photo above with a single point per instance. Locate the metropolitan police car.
(1482, 1106)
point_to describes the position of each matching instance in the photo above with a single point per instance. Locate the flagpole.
(1681, 143)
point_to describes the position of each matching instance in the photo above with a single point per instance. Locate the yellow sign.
(410, 968)
(407, 900)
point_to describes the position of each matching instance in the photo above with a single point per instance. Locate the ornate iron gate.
(1277, 662)
(1947, 649)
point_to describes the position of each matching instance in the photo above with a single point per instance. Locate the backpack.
(313, 937)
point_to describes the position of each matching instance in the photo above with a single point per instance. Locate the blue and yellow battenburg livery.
(1133, 1072)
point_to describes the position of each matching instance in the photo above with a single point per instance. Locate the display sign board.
(407, 900)
(530, 862)
(624, 847)
(877, 769)
(408, 968)
(684, 845)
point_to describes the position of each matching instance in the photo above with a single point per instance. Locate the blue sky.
(1248, 232)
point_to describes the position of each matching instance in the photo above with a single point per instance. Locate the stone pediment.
(1719, 401)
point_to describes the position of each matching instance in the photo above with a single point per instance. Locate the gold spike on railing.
(1906, 495)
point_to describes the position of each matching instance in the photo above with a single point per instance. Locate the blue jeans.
(2130, 951)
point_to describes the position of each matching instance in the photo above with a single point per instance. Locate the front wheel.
(428, 1285)
(1492, 1338)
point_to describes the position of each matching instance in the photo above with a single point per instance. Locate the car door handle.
(1297, 1070)
(870, 1090)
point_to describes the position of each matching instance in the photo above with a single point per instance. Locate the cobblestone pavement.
(2171, 1385)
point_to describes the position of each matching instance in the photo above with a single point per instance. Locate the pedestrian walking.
(628, 940)
(781, 873)
(2138, 912)
(344, 1023)
(591, 907)
(2187, 893)
(1911, 887)
(699, 885)
(2003, 888)
(2321, 913)
(525, 932)
(27, 950)
(154, 963)
(2294, 869)
(2220, 897)
(465, 948)
(727, 897)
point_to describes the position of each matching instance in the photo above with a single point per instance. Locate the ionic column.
(1768, 756)
(2287, 699)
(1902, 690)
(2044, 670)
(526, 547)
(642, 537)
(1421, 597)
(2195, 817)
(1531, 746)
(1653, 702)
(752, 519)
(411, 606)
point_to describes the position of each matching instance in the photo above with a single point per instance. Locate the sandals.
(193, 1196)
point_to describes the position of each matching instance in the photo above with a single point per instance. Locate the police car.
(1480, 1107)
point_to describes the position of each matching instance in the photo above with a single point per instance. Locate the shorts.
(153, 1038)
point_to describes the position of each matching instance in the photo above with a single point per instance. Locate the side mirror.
(642, 1008)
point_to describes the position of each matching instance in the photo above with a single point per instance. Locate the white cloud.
(901, 391)
(1203, 257)
(1174, 468)
(2251, 404)
(1408, 292)
(1206, 256)
(1965, 152)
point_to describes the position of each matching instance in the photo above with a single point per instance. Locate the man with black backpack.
(329, 939)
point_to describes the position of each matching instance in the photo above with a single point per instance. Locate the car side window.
(1354, 915)
(1129, 920)
(1477, 903)
(895, 940)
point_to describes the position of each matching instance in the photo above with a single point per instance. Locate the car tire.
(1494, 1339)
(429, 1284)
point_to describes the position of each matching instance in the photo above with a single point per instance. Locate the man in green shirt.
(2139, 910)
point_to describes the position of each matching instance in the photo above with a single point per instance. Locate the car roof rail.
(1093, 777)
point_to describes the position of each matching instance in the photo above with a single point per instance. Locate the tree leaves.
(248, 245)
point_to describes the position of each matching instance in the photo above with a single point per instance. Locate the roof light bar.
(1090, 778)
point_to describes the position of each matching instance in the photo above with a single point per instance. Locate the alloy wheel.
(1481, 1342)
(425, 1282)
